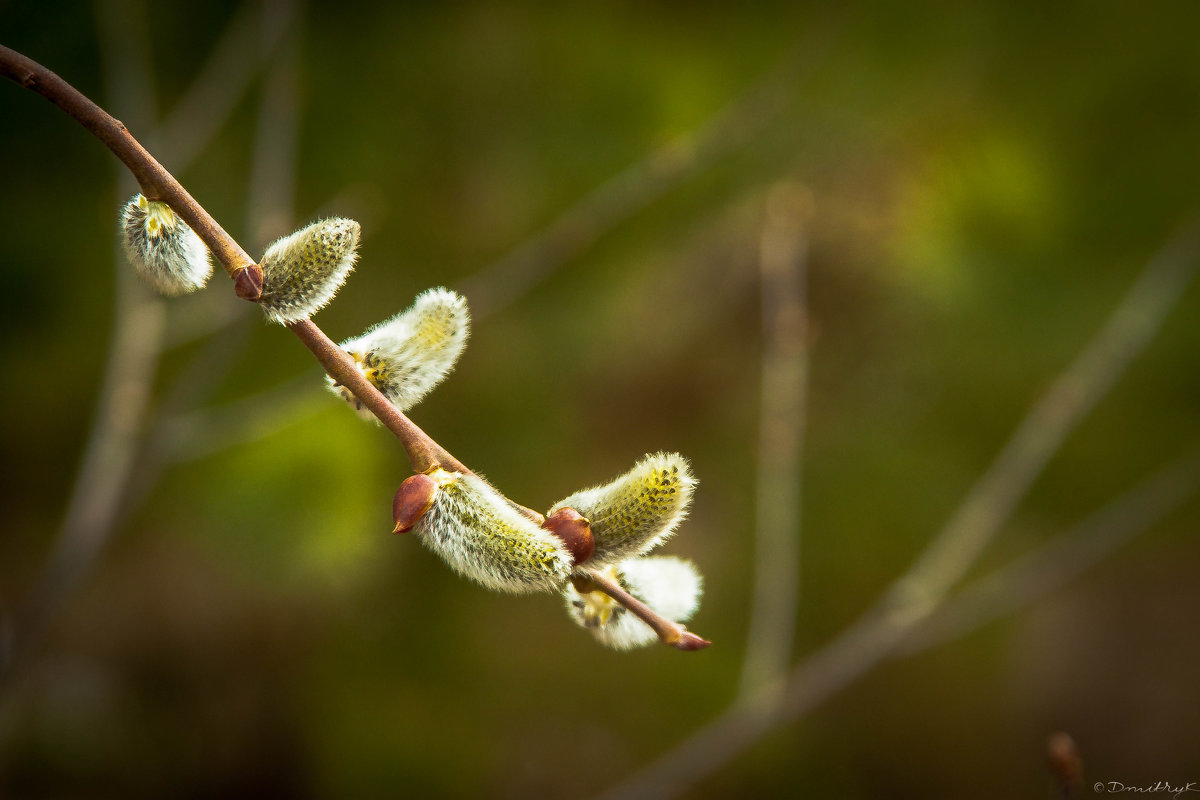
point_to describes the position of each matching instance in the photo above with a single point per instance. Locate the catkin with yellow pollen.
(409, 354)
(303, 271)
(637, 511)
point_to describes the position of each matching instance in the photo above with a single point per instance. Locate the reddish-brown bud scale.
(574, 530)
(248, 282)
(412, 500)
(690, 641)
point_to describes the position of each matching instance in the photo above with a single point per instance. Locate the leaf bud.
(412, 500)
(575, 532)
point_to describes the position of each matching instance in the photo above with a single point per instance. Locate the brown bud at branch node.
(575, 532)
(412, 500)
(248, 283)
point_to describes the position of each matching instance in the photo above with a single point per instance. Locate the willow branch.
(668, 632)
(157, 183)
(423, 452)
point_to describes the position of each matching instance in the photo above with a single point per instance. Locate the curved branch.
(157, 183)
(669, 632)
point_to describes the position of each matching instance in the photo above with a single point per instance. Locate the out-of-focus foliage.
(987, 180)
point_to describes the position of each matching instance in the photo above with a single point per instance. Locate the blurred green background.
(986, 181)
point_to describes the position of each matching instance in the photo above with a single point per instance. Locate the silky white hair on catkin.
(479, 534)
(165, 252)
(304, 270)
(406, 356)
(637, 511)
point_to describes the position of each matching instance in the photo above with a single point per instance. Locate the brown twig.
(423, 452)
(157, 183)
(1066, 765)
(669, 632)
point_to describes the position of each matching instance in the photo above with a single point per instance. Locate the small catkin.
(671, 586)
(409, 354)
(303, 271)
(482, 537)
(166, 253)
(638, 510)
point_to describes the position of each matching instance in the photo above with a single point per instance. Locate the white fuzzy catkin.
(409, 354)
(671, 586)
(166, 253)
(637, 511)
(482, 537)
(304, 270)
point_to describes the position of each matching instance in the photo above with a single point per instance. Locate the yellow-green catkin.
(671, 586)
(636, 511)
(166, 253)
(475, 530)
(409, 354)
(303, 271)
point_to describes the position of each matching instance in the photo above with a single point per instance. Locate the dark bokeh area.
(981, 185)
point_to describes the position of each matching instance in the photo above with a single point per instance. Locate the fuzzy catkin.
(409, 354)
(637, 511)
(671, 586)
(164, 251)
(482, 537)
(304, 270)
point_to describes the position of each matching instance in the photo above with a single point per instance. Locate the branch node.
(248, 283)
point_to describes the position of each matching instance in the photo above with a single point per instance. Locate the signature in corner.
(1166, 787)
